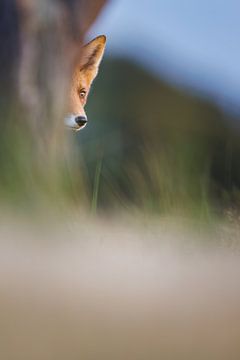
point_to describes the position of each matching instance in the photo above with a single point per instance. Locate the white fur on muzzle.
(70, 123)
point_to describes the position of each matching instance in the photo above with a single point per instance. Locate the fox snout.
(81, 121)
(76, 122)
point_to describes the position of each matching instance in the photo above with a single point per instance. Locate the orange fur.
(84, 74)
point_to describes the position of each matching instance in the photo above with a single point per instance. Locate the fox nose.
(81, 120)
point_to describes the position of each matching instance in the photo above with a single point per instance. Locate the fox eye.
(82, 94)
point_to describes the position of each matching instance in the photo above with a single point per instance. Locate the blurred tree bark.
(35, 35)
(52, 34)
(40, 41)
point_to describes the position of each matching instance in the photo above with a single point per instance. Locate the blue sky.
(191, 43)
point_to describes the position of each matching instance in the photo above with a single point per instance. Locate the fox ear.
(92, 54)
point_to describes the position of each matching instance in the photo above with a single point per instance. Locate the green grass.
(96, 186)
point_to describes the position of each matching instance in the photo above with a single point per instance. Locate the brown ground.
(105, 290)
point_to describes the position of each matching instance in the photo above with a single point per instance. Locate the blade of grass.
(96, 186)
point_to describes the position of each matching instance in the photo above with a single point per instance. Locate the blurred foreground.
(100, 289)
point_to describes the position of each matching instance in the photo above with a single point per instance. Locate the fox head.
(83, 76)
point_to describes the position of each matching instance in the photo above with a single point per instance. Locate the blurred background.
(164, 110)
(163, 136)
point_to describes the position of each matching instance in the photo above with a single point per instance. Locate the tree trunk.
(40, 41)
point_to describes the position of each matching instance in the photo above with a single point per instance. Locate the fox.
(82, 79)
